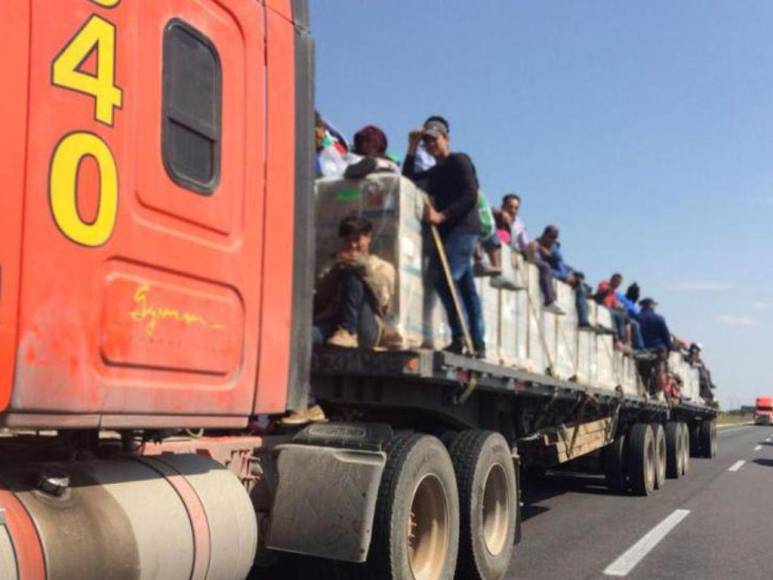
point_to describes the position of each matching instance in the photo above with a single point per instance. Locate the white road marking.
(732, 427)
(636, 553)
(758, 447)
(737, 465)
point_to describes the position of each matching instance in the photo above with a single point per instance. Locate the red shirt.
(609, 298)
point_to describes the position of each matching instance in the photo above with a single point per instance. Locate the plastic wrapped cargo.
(437, 332)
(489, 299)
(394, 205)
(521, 310)
(508, 327)
(536, 361)
(605, 351)
(518, 331)
(566, 334)
(689, 375)
(586, 350)
(625, 373)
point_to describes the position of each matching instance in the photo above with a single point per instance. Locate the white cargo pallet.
(519, 333)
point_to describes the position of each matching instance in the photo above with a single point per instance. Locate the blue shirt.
(560, 270)
(654, 330)
(630, 306)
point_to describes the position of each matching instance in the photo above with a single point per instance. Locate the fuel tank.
(162, 517)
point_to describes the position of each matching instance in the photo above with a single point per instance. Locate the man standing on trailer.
(453, 188)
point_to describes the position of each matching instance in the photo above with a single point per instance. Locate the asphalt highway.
(715, 523)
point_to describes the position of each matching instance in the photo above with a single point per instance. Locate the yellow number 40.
(96, 35)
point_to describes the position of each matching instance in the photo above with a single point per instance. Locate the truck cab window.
(192, 103)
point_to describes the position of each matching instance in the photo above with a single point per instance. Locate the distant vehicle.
(763, 411)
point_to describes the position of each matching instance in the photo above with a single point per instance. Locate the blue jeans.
(459, 247)
(636, 337)
(355, 313)
(582, 305)
(618, 319)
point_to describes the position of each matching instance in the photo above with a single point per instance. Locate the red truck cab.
(763, 411)
(156, 164)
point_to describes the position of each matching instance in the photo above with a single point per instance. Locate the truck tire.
(708, 438)
(685, 448)
(416, 524)
(641, 459)
(488, 500)
(695, 439)
(660, 455)
(674, 450)
(613, 458)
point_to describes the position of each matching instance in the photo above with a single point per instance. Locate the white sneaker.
(343, 338)
(553, 309)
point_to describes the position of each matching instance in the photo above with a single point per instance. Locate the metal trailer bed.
(464, 391)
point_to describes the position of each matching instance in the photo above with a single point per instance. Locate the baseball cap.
(435, 128)
(648, 302)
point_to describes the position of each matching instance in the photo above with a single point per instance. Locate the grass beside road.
(733, 418)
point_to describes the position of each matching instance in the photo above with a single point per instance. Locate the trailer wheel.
(641, 455)
(685, 448)
(613, 457)
(416, 524)
(695, 439)
(708, 438)
(488, 498)
(660, 455)
(674, 450)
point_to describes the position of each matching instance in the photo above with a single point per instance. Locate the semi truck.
(160, 226)
(763, 411)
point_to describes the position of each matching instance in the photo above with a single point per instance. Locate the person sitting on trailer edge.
(550, 249)
(628, 301)
(541, 256)
(704, 375)
(332, 149)
(606, 295)
(654, 329)
(354, 294)
(488, 241)
(370, 143)
(510, 226)
(452, 185)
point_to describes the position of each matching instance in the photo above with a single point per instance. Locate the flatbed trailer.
(457, 392)
(158, 231)
(373, 397)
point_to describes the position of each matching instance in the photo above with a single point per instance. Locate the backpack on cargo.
(485, 217)
(487, 225)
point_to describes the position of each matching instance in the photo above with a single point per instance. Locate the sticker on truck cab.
(97, 38)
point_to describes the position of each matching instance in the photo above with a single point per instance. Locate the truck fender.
(326, 492)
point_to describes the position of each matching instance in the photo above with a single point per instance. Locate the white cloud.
(700, 286)
(762, 305)
(734, 320)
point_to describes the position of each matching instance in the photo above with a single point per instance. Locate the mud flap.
(325, 501)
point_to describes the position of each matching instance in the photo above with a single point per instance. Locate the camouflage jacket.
(377, 274)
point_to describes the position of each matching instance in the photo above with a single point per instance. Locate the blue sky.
(645, 132)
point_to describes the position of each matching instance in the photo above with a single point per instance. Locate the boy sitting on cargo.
(354, 294)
